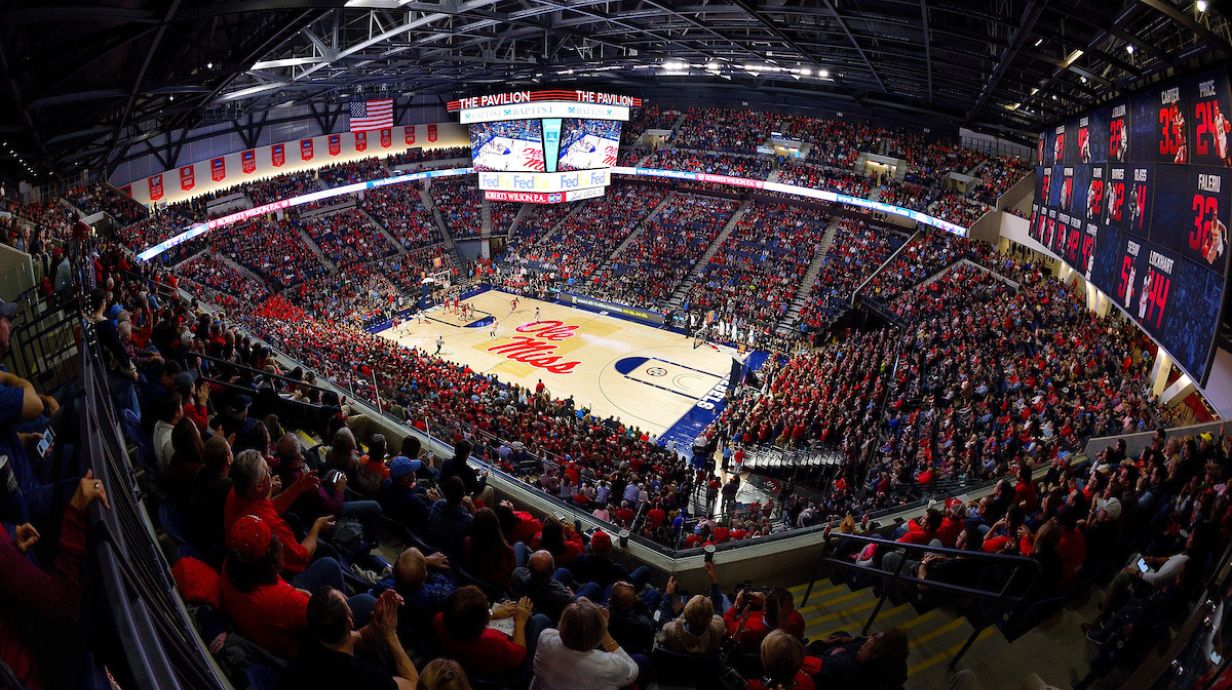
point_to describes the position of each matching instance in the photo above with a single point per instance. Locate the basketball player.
(1134, 214)
(1178, 133)
(1215, 239)
(440, 342)
(1084, 145)
(536, 313)
(1092, 207)
(1129, 287)
(513, 305)
(492, 332)
(1143, 296)
(1222, 128)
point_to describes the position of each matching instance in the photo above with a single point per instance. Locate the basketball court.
(648, 377)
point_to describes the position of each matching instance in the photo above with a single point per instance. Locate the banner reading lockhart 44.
(1137, 197)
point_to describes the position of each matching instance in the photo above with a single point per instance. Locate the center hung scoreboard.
(1136, 195)
(544, 147)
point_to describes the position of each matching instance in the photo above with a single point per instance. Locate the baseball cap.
(240, 403)
(401, 466)
(600, 542)
(8, 309)
(249, 537)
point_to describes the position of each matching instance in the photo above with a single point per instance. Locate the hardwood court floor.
(647, 377)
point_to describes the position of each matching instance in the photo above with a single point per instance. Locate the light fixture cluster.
(716, 68)
(18, 158)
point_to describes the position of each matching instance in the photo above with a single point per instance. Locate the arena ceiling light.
(1069, 59)
(1201, 5)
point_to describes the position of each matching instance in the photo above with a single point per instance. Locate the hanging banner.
(335, 144)
(387, 138)
(410, 135)
(305, 149)
(361, 141)
(188, 178)
(156, 187)
(218, 169)
(278, 155)
(432, 132)
(248, 161)
(127, 190)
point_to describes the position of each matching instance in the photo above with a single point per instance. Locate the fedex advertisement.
(508, 146)
(589, 144)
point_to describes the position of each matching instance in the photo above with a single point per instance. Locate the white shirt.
(162, 443)
(1167, 572)
(559, 668)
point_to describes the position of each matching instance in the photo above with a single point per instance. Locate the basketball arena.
(528, 345)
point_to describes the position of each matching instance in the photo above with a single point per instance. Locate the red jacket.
(32, 599)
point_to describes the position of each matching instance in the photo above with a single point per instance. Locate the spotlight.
(1201, 5)
(1129, 48)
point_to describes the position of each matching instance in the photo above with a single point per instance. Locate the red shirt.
(1072, 548)
(1025, 491)
(803, 682)
(273, 616)
(491, 654)
(294, 556)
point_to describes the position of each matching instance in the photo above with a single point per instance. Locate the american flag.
(369, 115)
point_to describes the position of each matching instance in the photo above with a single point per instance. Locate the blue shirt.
(449, 525)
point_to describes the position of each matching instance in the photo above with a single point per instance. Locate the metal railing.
(1018, 577)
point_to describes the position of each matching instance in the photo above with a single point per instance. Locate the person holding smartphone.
(1147, 573)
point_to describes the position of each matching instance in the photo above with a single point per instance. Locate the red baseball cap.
(600, 542)
(249, 537)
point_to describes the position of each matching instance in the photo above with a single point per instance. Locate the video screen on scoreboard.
(588, 144)
(509, 146)
(1136, 196)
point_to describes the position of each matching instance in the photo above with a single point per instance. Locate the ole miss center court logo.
(538, 348)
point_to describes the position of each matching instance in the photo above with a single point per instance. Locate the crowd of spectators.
(746, 288)
(655, 261)
(459, 202)
(858, 249)
(835, 180)
(401, 211)
(648, 117)
(502, 214)
(906, 194)
(275, 250)
(223, 284)
(576, 251)
(728, 130)
(997, 175)
(339, 174)
(754, 167)
(957, 209)
(271, 189)
(347, 237)
(101, 196)
(926, 254)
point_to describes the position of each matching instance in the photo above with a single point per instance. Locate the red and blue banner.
(361, 141)
(278, 155)
(188, 177)
(305, 149)
(335, 144)
(218, 169)
(248, 161)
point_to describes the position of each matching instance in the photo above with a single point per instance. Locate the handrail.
(1004, 598)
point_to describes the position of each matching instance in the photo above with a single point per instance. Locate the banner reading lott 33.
(1136, 196)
